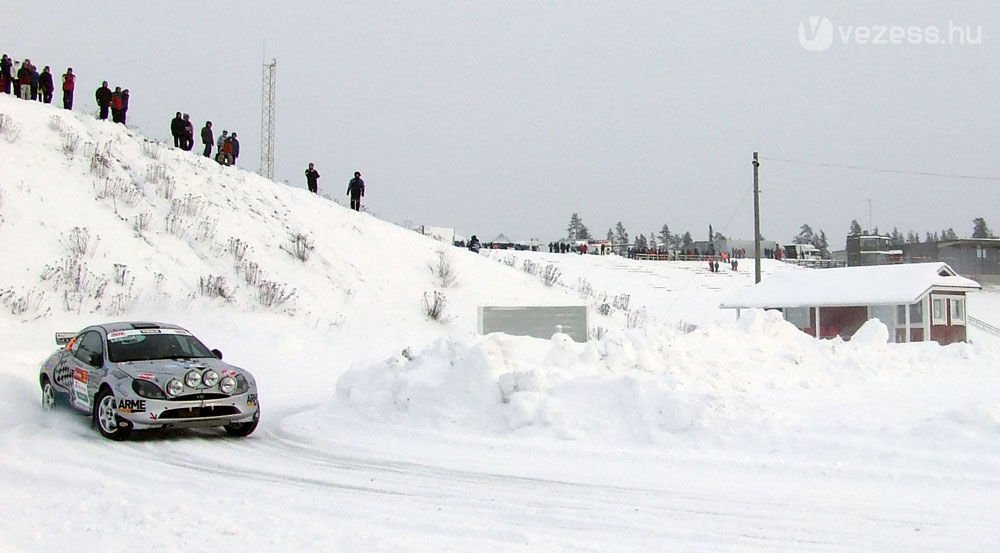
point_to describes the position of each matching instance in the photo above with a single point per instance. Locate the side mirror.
(217, 354)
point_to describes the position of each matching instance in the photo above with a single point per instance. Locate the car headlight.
(192, 379)
(147, 389)
(227, 385)
(175, 387)
(210, 378)
(241, 384)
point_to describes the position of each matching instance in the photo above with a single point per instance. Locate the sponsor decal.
(132, 406)
(252, 400)
(229, 372)
(147, 376)
(152, 416)
(63, 375)
(120, 335)
(80, 396)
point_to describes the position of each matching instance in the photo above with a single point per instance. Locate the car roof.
(135, 325)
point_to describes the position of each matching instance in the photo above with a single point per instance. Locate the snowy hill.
(675, 427)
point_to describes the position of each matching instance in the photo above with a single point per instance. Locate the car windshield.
(146, 347)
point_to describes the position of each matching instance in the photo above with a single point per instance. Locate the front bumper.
(158, 413)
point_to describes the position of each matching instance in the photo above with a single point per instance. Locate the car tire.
(106, 417)
(49, 396)
(242, 429)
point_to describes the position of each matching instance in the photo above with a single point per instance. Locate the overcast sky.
(509, 116)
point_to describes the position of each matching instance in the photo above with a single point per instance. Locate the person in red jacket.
(117, 102)
(68, 85)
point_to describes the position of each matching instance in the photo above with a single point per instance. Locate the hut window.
(937, 311)
(798, 316)
(957, 311)
(917, 313)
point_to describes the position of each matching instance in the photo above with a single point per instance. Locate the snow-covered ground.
(677, 427)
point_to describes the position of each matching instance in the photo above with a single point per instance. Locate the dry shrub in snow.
(299, 246)
(434, 305)
(70, 143)
(213, 286)
(444, 270)
(272, 294)
(10, 130)
(550, 275)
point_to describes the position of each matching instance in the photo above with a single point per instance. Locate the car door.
(88, 363)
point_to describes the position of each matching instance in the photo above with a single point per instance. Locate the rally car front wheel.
(106, 417)
(48, 395)
(241, 429)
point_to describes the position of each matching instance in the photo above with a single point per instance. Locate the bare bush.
(166, 188)
(604, 308)
(686, 327)
(55, 122)
(597, 332)
(190, 206)
(205, 230)
(550, 275)
(10, 130)
(238, 248)
(78, 281)
(444, 270)
(70, 143)
(251, 272)
(434, 306)
(121, 274)
(177, 225)
(509, 260)
(118, 191)
(24, 302)
(272, 294)
(584, 288)
(79, 243)
(151, 149)
(636, 318)
(141, 223)
(621, 301)
(213, 286)
(299, 246)
(156, 172)
(530, 267)
(100, 163)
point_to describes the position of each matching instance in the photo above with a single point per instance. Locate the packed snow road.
(65, 487)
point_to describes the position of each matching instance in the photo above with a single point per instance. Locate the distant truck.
(801, 251)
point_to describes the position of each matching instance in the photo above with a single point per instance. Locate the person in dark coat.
(187, 137)
(68, 85)
(474, 244)
(123, 115)
(35, 77)
(45, 85)
(234, 153)
(312, 179)
(206, 138)
(356, 190)
(103, 97)
(6, 75)
(177, 130)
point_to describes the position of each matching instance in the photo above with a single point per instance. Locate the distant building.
(975, 258)
(918, 302)
(871, 249)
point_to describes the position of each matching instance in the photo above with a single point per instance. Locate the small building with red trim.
(917, 302)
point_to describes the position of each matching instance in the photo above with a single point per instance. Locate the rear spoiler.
(63, 338)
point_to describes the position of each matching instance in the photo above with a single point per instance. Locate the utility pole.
(756, 220)
(870, 227)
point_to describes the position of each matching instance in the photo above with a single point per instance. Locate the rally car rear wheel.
(48, 395)
(106, 417)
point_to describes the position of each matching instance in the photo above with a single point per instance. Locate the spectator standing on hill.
(24, 80)
(206, 138)
(6, 75)
(234, 149)
(124, 112)
(312, 179)
(187, 139)
(116, 105)
(35, 77)
(356, 190)
(103, 97)
(45, 85)
(177, 130)
(474, 244)
(68, 85)
(227, 151)
(222, 140)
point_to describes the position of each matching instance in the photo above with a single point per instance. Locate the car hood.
(162, 370)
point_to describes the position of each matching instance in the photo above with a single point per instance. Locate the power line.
(882, 170)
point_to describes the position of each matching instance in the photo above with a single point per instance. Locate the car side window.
(90, 349)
